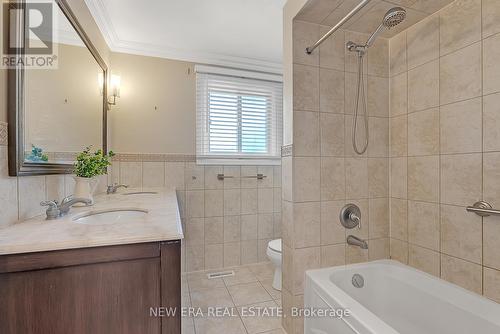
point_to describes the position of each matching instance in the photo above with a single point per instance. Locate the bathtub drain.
(358, 281)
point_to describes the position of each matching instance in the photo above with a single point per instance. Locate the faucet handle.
(53, 209)
(66, 199)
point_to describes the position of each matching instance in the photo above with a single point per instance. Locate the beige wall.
(324, 173)
(146, 83)
(445, 144)
(20, 197)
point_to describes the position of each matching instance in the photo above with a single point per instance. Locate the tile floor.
(250, 286)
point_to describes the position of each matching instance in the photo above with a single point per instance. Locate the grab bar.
(483, 209)
(221, 177)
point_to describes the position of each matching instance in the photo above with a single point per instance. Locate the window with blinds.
(238, 118)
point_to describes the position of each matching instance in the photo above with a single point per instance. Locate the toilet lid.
(275, 245)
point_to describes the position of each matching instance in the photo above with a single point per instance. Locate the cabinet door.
(107, 298)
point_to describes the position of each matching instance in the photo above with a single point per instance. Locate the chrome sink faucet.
(56, 210)
(355, 241)
(114, 187)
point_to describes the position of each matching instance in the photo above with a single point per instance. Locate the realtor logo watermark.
(29, 34)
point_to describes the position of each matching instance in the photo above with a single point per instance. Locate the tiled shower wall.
(226, 223)
(324, 173)
(445, 144)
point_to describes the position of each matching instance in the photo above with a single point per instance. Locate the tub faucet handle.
(355, 219)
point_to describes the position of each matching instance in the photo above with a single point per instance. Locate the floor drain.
(220, 274)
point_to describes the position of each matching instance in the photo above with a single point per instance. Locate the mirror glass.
(64, 106)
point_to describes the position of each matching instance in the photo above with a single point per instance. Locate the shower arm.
(356, 9)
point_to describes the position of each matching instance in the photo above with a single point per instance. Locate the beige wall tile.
(306, 186)
(461, 179)
(430, 6)
(491, 122)
(378, 145)
(195, 203)
(399, 219)
(460, 25)
(332, 231)
(332, 178)
(423, 87)
(265, 200)
(195, 258)
(235, 172)
(305, 88)
(423, 132)
(461, 233)
(423, 41)
(214, 203)
(214, 256)
(491, 178)
(423, 178)
(399, 94)
(331, 93)
(277, 200)
(249, 227)
(399, 177)
(378, 177)
(491, 247)
(356, 177)
(332, 255)
(461, 127)
(174, 175)
(306, 133)
(397, 51)
(351, 86)
(249, 204)
(153, 174)
(31, 193)
(214, 230)
(332, 51)
(378, 96)
(195, 232)
(248, 182)
(131, 173)
(232, 202)
(332, 134)
(399, 251)
(491, 17)
(424, 259)
(460, 74)
(379, 218)
(492, 284)
(232, 254)
(378, 62)
(355, 254)
(379, 249)
(491, 70)
(316, 12)
(194, 176)
(360, 136)
(55, 187)
(249, 251)
(232, 228)
(304, 259)
(423, 224)
(465, 274)
(211, 179)
(399, 136)
(8, 195)
(265, 226)
(306, 222)
(287, 235)
(304, 35)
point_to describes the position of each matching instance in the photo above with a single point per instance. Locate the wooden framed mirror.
(58, 110)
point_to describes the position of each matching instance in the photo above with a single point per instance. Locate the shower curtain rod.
(356, 9)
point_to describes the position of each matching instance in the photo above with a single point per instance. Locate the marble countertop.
(161, 223)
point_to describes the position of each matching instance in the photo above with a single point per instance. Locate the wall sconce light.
(113, 87)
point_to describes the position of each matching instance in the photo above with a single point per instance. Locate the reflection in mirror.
(63, 106)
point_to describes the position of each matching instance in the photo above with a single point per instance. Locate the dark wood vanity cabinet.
(108, 290)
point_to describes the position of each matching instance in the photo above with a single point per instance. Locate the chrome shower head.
(393, 17)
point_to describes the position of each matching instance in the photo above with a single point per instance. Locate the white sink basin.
(110, 216)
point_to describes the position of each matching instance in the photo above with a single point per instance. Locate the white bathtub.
(395, 299)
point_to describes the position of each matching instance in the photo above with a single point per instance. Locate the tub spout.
(355, 241)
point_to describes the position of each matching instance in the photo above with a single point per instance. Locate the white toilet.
(274, 254)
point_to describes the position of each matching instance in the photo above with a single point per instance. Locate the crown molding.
(103, 21)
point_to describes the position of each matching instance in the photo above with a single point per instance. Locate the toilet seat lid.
(275, 245)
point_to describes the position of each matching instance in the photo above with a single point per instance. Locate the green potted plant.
(89, 165)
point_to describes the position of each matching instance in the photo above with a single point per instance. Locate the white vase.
(84, 188)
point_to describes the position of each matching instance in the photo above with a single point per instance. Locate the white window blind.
(237, 119)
